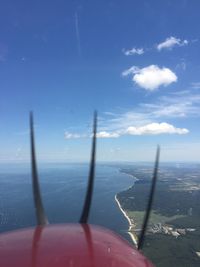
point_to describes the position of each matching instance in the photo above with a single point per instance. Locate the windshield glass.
(137, 64)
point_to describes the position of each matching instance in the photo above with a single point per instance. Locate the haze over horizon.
(135, 62)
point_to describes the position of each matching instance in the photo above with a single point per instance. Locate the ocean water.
(63, 188)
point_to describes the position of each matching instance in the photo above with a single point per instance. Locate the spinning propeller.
(40, 213)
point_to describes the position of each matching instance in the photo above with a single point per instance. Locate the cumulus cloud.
(181, 104)
(151, 77)
(148, 118)
(156, 128)
(170, 42)
(148, 129)
(104, 134)
(133, 51)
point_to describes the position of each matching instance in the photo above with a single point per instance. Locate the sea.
(63, 189)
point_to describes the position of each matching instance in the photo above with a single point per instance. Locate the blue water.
(63, 188)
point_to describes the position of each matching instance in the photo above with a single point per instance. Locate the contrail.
(77, 33)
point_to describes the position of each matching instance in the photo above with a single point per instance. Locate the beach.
(133, 237)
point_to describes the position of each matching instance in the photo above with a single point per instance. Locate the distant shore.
(133, 237)
(131, 225)
(129, 174)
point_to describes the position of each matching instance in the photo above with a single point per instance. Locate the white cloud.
(133, 51)
(118, 122)
(101, 134)
(177, 105)
(150, 118)
(156, 128)
(131, 70)
(148, 129)
(72, 135)
(104, 134)
(151, 77)
(170, 42)
(170, 110)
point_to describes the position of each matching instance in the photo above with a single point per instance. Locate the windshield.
(137, 64)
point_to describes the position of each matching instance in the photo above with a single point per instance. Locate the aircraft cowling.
(68, 245)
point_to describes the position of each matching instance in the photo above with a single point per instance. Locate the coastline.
(129, 174)
(133, 237)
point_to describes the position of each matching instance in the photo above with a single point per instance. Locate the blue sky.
(136, 62)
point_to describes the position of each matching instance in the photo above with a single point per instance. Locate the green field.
(176, 203)
(138, 216)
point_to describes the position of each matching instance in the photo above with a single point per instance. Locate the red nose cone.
(71, 245)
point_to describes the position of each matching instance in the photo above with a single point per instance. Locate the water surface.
(63, 189)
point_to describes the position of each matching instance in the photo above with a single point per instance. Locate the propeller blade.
(88, 198)
(40, 214)
(149, 206)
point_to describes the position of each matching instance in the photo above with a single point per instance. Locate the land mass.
(173, 232)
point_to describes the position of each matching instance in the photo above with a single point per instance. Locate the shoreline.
(133, 237)
(129, 174)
